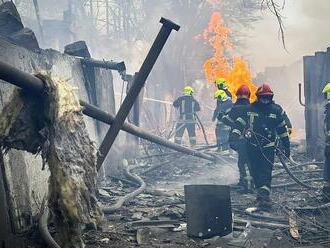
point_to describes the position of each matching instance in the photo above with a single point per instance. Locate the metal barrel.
(208, 210)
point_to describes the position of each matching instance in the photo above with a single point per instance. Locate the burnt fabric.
(261, 125)
(187, 107)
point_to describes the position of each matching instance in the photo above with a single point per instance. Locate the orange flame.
(236, 73)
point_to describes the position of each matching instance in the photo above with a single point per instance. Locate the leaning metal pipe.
(110, 65)
(29, 82)
(100, 115)
(134, 91)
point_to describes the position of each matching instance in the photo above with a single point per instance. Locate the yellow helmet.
(326, 91)
(188, 90)
(220, 94)
(221, 83)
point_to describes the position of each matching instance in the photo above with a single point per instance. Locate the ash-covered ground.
(156, 217)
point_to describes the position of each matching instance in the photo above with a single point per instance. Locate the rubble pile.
(156, 217)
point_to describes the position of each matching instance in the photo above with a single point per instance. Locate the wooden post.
(308, 64)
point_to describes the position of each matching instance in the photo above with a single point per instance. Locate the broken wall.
(316, 74)
(27, 182)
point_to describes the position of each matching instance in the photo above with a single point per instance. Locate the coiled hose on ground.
(122, 200)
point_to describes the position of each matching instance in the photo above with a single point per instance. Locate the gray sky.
(306, 30)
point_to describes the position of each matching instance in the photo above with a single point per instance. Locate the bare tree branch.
(275, 9)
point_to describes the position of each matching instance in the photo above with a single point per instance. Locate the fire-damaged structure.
(69, 178)
(316, 76)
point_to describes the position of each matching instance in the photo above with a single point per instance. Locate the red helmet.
(264, 90)
(243, 92)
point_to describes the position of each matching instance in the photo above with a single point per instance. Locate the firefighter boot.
(263, 199)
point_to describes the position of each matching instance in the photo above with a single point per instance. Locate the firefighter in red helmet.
(262, 124)
(243, 99)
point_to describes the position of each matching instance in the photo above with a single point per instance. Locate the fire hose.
(43, 226)
(122, 200)
(287, 169)
(280, 155)
(202, 127)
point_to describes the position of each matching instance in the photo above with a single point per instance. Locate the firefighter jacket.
(261, 125)
(187, 106)
(236, 111)
(223, 107)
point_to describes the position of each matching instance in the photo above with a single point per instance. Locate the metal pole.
(110, 65)
(35, 85)
(100, 115)
(134, 91)
(300, 96)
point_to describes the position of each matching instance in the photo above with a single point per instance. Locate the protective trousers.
(179, 131)
(245, 177)
(261, 161)
(222, 135)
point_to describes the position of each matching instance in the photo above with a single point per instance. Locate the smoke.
(306, 31)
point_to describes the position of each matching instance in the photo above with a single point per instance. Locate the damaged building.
(91, 154)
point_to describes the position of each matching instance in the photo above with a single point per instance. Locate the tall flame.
(236, 73)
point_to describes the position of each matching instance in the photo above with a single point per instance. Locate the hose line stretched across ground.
(280, 155)
(122, 200)
(287, 169)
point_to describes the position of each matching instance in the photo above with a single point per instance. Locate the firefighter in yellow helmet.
(326, 187)
(224, 104)
(187, 107)
(221, 84)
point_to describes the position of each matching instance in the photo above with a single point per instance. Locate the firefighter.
(243, 99)
(262, 123)
(326, 187)
(224, 104)
(187, 106)
(221, 84)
